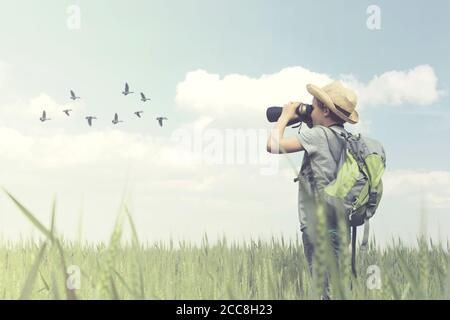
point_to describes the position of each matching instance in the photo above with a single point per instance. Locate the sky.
(212, 68)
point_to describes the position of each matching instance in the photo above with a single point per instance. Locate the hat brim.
(323, 97)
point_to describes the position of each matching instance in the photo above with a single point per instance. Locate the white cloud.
(432, 186)
(417, 86)
(235, 94)
(65, 150)
(209, 94)
(413, 202)
(32, 109)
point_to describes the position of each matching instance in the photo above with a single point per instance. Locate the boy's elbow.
(269, 149)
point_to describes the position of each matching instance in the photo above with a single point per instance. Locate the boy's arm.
(276, 143)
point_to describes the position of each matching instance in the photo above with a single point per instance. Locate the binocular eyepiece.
(303, 111)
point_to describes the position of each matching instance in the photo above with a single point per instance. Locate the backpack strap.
(370, 211)
(354, 251)
(365, 240)
(363, 245)
(371, 203)
(337, 134)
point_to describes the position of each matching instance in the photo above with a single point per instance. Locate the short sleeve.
(312, 139)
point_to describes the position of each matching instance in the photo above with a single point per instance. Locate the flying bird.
(67, 111)
(116, 119)
(143, 98)
(89, 119)
(44, 117)
(138, 113)
(127, 90)
(160, 120)
(73, 95)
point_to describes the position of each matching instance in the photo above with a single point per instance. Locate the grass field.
(52, 268)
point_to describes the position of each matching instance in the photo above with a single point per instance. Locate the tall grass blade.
(28, 286)
(30, 216)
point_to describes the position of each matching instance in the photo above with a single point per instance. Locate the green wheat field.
(274, 269)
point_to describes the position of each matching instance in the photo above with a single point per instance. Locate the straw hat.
(339, 99)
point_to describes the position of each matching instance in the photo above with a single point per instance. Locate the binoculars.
(303, 111)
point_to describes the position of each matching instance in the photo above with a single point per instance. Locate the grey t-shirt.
(323, 149)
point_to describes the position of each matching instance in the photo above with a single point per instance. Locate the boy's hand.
(289, 110)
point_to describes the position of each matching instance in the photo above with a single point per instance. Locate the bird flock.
(115, 120)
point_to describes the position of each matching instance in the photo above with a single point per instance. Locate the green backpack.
(358, 187)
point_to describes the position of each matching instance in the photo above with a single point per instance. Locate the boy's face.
(318, 115)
